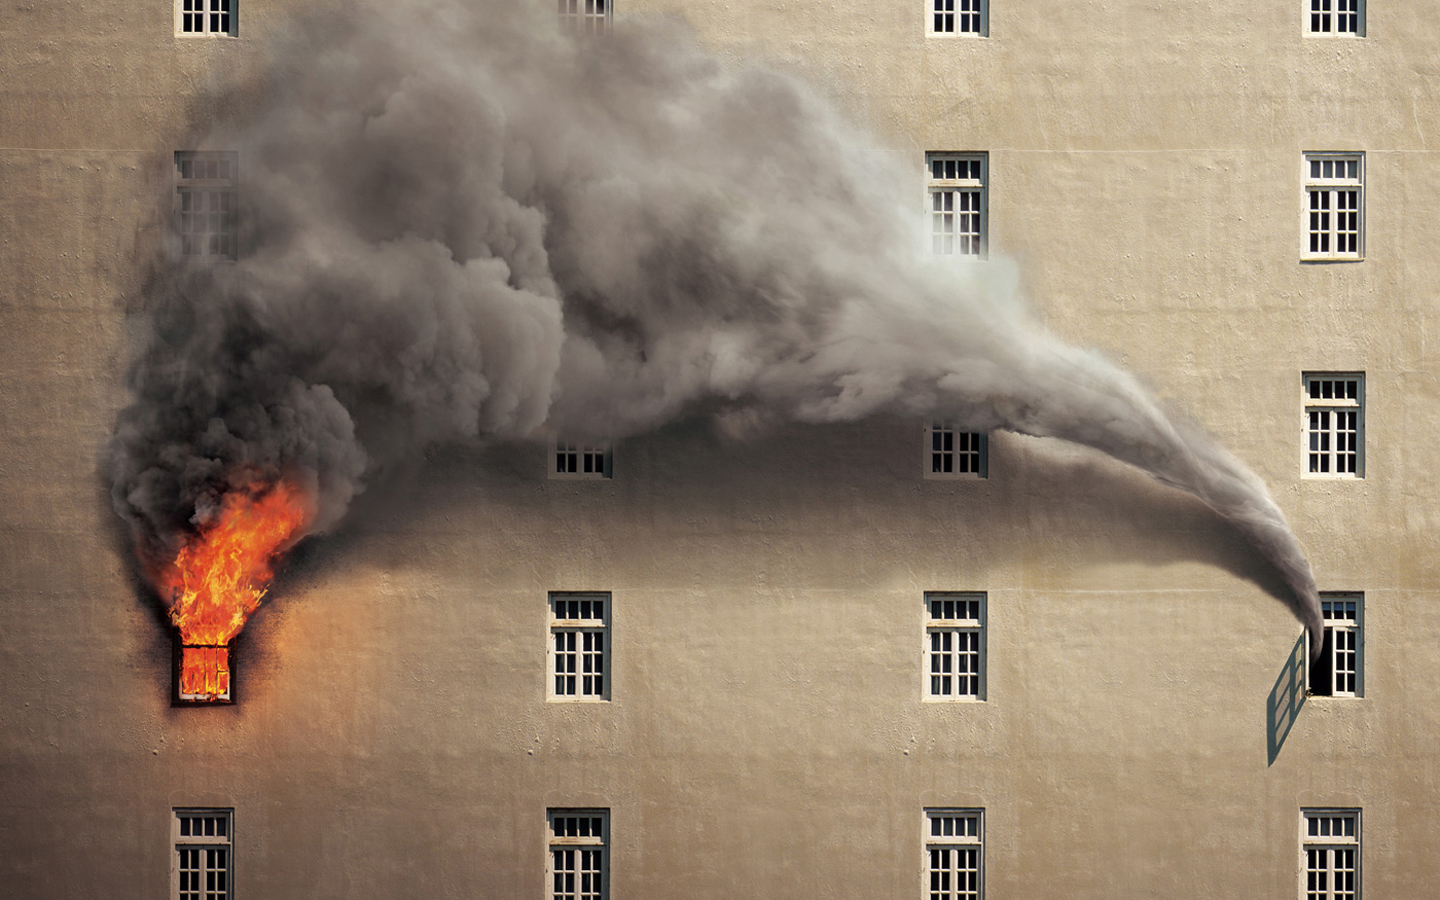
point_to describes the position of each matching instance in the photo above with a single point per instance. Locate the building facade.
(886, 659)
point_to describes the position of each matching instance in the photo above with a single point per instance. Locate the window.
(576, 864)
(1337, 17)
(954, 854)
(957, 203)
(206, 17)
(1339, 670)
(585, 16)
(950, 453)
(1334, 206)
(205, 203)
(579, 627)
(1330, 854)
(574, 459)
(955, 638)
(203, 863)
(958, 17)
(204, 674)
(1335, 424)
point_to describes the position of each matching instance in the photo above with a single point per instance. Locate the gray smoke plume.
(457, 222)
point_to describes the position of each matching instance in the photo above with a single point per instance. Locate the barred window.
(1330, 854)
(955, 646)
(203, 863)
(579, 631)
(957, 203)
(585, 16)
(576, 459)
(1338, 670)
(577, 867)
(954, 854)
(1334, 206)
(951, 453)
(205, 184)
(206, 17)
(1337, 17)
(1334, 424)
(958, 17)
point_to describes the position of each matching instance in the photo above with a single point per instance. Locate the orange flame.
(219, 576)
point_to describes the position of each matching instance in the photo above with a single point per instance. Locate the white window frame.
(214, 18)
(1323, 16)
(946, 445)
(567, 839)
(1325, 426)
(572, 460)
(585, 16)
(205, 180)
(964, 179)
(933, 877)
(957, 18)
(1341, 664)
(1332, 180)
(1323, 855)
(572, 671)
(185, 819)
(954, 640)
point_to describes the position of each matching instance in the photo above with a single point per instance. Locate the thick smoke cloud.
(457, 222)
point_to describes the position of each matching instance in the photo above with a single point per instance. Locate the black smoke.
(458, 222)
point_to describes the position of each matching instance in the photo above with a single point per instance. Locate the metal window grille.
(578, 843)
(1337, 672)
(203, 862)
(1330, 848)
(954, 857)
(205, 219)
(207, 17)
(585, 16)
(957, 203)
(950, 453)
(1334, 425)
(954, 631)
(573, 459)
(1337, 17)
(1334, 191)
(957, 17)
(579, 628)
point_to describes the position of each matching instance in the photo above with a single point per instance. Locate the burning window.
(955, 646)
(203, 674)
(954, 854)
(206, 17)
(577, 459)
(579, 631)
(1334, 206)
(1338, 670)
(585, 16)
(951, 453)
(958, 17)
(577, 864)
(1335, 424)
(203, 866)
(1330, 854)
(219, 577)
(1337, 17)
(957, 203)
(205, 202)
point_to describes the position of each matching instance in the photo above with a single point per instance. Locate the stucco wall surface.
(766, 735)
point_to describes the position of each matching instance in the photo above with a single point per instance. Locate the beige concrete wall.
(766, 736)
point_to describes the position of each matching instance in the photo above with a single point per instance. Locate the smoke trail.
(457, 222)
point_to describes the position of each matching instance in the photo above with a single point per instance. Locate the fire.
(220, 576)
